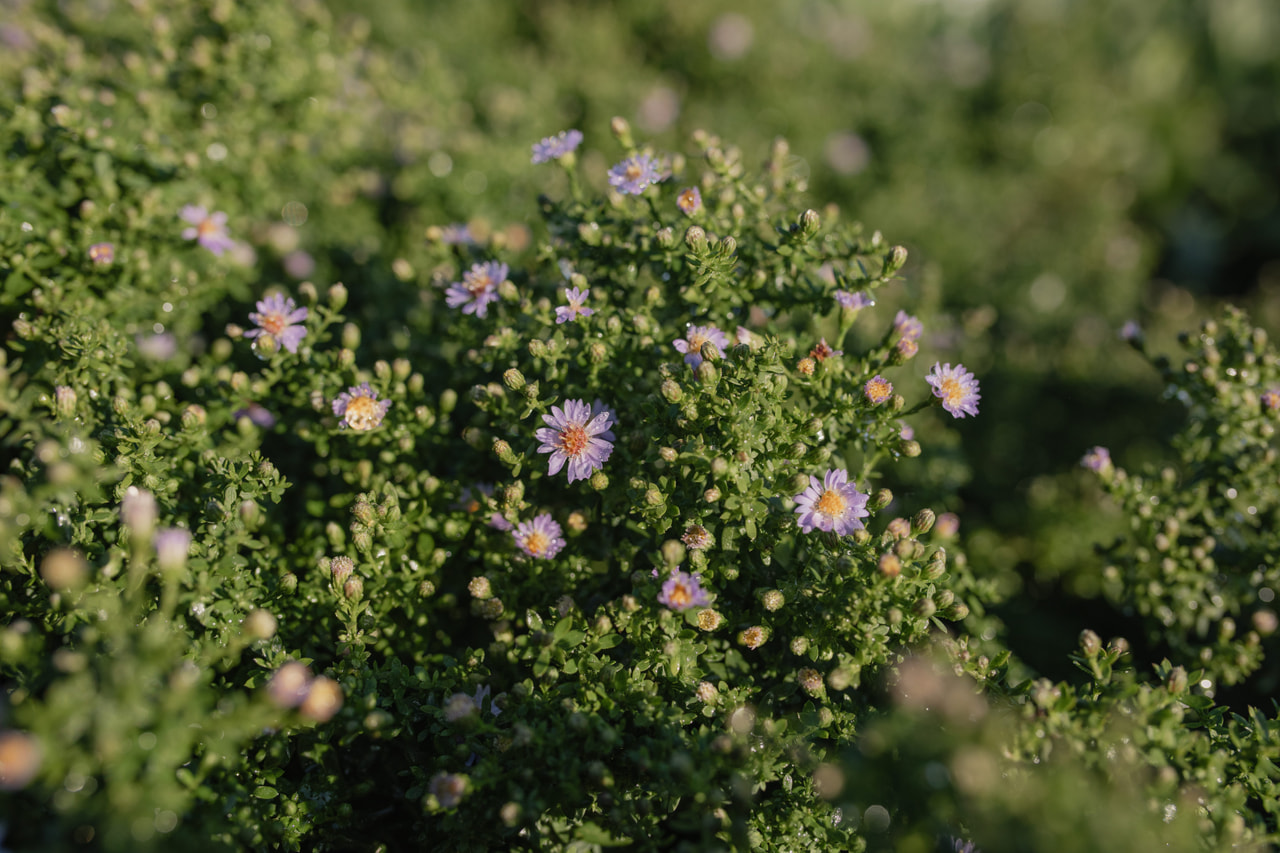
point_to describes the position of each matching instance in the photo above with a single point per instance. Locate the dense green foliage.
(260, 587)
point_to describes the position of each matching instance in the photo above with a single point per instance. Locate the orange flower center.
(479, 284)
(362, 413)
(273, 324)
(634, 171)
(537, 542)
(573, 440)
(207, 227)
(952, 392)
(681, 595)
(832, 504)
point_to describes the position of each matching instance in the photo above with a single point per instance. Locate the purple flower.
(102, 254)
(576, 307)
(634, 174)
(574, 436)
(172, 546)
(907, 327)
(877, 390)
(299, 264)
(1131, 332)
(499, 522)
(555, 147)
(457, 234)
(1271, 399)
(539, 538)
(360, 408)
(695, 337)
(853, 301)
(598, 407)
(209, 230)
(831, 504)
(683, 591)
(947, 525)
(689, 201)
(479, 287)
(161, 347)
(905, 431)
(278, 318)
(257, 414)
(956, 388)
(1098, 459)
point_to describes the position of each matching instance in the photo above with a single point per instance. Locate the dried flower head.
(696, 537)
(709, 620)
(823, 351)
(102, 254)
(753, 637)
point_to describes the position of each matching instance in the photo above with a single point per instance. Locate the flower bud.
(138, 512)
(937, 565)
(1177, 681)
(350, 336)
(260, 625)
(809, 222)
(711, 495)
(353, 589)
(513, 379)
(64, 569)
(706, 371)
(671, 391)
(895, 259)
(910, 449)
(810, 681)
(922, 522)
(341, 569)
(889, 565)
(696, 239)
(503, 451)
(880, 500)
(337, 296)
(673, 552)
(1090, 643)
(289, 582)
(599, 481)
(806, 366)
(172, 546)
(64, 401)
(925, 608)
(597, 352)
(621, 131)
(324, 698)
(666, 237)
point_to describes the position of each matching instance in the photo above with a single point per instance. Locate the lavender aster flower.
(877, 390)
(576, 307)
(209, 230)
(831, 504)
(555, 147)
(541, 538)
(360, 408)
(689, 201)
(853, 301)
(479, 287)
(683, 591)
(908, 328)
(634, 174)
(695, 337)
(1131, 332)
(102, 254)
(257, 414)
(956, 387)
(1271, 399)
(1098, 459)
(278, 318)
(574, 436)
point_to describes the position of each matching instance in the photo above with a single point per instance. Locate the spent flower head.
(634, 175)
(478, 288)
(576, 438)
(207, 229)
(541, 538)
(360, 408)
(956, 387)
(831, 504)
(279, 318)
(102, 254)
(555, 147)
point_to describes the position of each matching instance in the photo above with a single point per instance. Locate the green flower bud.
(353, 589)
(671, 391)
(1090, 643)
(896, 258)
(64, 401)
(599, 481)
(809, 222)
(696, 239)
(666, 237)
(351, 336)
(706, 371)
(925, 608)
(337, 296)
(910, 449)
(673, 552)
(289, 582)
(880, 500)
(922, 522)
(503, 451)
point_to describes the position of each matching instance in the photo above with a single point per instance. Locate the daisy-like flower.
(906, 349)
(102, 254)
(956, 387)
(207, 229)
(360, 408)
(853, 301)
(905, 431)
(1097, 459)
(576, 307)
(633, 175)
(877, 390)
(255, 413)
(907, 327)
(823, 351)
(1131, 332)
(575, 437)
(689, 201)
(683, 591)
(541, 538)
(478, 288)
(1271, 399)
(280, 320)
(555, 147)
(831, 504)
(694, 338)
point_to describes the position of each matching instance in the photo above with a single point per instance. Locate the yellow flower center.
(573, 440)
(832, 504)
(479, 283)
(634, 171)
(273, 323)
(537, 542)
(362, 413)
(952, 391)
(681, 595)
